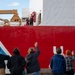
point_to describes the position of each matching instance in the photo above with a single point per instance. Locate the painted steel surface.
(47, 37)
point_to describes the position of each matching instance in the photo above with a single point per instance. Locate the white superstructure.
(55, 12)
(58, 12)
(25, 15)
(25, 12)
(37, 6)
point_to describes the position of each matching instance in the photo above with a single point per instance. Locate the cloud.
(14, 4)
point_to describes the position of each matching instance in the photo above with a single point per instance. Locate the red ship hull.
(46, 36)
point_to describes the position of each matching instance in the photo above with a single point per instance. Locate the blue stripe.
(2, 52)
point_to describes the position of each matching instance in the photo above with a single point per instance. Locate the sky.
(13, 4)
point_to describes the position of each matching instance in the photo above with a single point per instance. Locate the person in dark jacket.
(58, 64)
(32, 64)
(16, 63)
(2, 63)
(31, 20)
